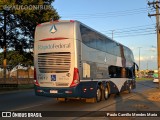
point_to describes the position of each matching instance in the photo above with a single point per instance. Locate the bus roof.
(75, 21)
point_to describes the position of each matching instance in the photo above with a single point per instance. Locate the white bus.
(73, 60)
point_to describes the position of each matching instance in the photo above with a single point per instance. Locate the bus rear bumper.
(82, 90)
(56, 92)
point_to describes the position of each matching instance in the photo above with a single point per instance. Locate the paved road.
(27, 101)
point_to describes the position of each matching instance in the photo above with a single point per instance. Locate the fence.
(14, 82)
(19, 73)
(17, 76)
(20, 81)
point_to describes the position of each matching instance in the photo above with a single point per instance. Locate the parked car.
(155, 80)
(155, 76)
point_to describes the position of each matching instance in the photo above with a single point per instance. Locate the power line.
(133, 30)
(124, 32)
(109, 14)
(133, 27)
(136, 35)
(105, 16)
(137, 31)
(113, 12)
(133, 34)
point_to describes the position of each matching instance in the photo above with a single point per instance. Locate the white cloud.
(146, 58)
(152, 49)
(147, 62)
(153, 57)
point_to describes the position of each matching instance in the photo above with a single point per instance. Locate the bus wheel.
(98, 94)
(130, 88)
(106, 93)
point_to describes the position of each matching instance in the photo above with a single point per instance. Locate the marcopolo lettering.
(54, 46)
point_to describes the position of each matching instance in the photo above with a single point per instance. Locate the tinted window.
(88, 37)
(101, 43)
(94, 40)
(116, 49)
(128, 54)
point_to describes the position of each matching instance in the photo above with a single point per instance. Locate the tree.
(21, 23)
(14, 58)
(18, 32)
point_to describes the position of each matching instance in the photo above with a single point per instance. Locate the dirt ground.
(148, 101)
(155, 96)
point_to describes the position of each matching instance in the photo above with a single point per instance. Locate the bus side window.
(114, 72)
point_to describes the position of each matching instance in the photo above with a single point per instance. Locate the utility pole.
(139, 59)
(147, 65)
(4, 48)
(158, 34)
(112, 33)
(139, 56)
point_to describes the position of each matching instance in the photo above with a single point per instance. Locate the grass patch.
(142, 79)
(19, 87)
(30, 86)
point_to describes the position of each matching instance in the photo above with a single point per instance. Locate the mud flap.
(61, 99)
(91, 100)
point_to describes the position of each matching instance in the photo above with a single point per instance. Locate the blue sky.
(128, 19)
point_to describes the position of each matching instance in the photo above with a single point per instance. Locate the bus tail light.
(91, 88)
(76, 80)
(36, 83)
(35, 78)
(84, 90)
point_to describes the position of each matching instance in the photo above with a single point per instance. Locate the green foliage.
(142, 79)
(21, 23)
(20, 27)
(14, 58)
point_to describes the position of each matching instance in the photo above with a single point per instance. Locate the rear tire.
(130, 88)
(98, 94)
(106, 93)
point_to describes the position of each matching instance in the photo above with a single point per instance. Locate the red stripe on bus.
(48, 39)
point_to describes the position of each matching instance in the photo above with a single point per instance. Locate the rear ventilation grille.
(55, 62)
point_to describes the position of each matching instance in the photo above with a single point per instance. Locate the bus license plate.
(53, 91)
